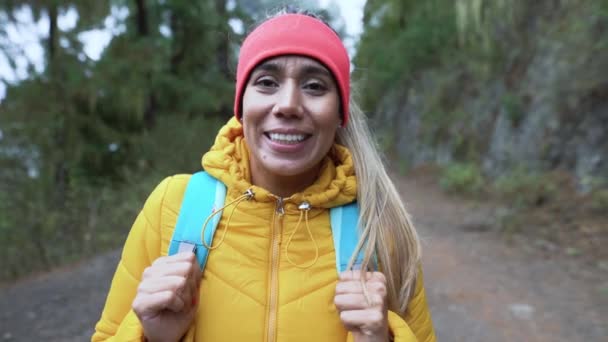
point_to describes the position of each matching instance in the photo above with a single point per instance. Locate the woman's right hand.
(167, 297)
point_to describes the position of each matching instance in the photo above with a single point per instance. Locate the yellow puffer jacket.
(251, 288)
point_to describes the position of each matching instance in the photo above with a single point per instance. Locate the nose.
(289, 101)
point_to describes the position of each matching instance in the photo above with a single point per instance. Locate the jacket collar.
(228, 161)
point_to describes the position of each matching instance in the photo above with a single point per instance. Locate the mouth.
(286, 138)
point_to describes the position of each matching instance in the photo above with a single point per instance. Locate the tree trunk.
(143, 28)
(53, 38)
(59, 162)
(222, 49)
(143, 31)
(179, 51)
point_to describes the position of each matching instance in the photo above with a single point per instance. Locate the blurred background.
(493, 116)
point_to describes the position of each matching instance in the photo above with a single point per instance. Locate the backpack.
(204, 194)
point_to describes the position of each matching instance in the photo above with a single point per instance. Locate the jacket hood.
(228, 161)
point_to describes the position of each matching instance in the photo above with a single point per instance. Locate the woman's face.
(290, 115)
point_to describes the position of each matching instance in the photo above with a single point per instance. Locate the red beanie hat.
(294, 34)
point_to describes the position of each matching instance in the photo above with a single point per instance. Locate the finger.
(160, 284)
(182, 268)
(193, 285)
(357, 274)
(376, 287)
(354, 286)
(187, 297)
(358, 301)
(174, 301)
(179, 257)
(369, 318)
(177, 285)
(148, 306)
(197, 274)
(350, 275)
(350, 302)
(377, 276)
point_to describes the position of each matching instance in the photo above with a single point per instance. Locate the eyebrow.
(308, 69)
(311, 69)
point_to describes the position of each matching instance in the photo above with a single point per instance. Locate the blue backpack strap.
(345, 231)
(203, 195)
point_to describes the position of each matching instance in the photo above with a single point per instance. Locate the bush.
(465, 178)
(514, 108)
(526, 188)
(599, 200)
(37, 233)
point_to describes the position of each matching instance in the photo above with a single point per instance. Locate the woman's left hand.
(367, 321)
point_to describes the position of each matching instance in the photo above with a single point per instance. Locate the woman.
(297, 147)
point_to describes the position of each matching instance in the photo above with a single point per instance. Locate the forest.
(506, 99)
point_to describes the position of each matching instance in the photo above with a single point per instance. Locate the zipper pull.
(280, 206)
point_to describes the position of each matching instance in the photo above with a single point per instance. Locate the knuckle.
(169, 296)
(181, 283)
(158, 261)
(194, 265)
(380, 277)
(147, 272)
(340, 301)
(192, 258)
(377, 300)
(136, 305)
(183, 268)
(345, 275)
(378, 287)
(376, 316)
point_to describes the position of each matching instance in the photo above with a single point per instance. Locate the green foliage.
(175, 145)
(399, 39)
(83, 142)
(599, 200)
(386, 140)
(514, 108)
(403, 166)
(462, 178)
(524, 188)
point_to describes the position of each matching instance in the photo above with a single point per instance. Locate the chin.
(288, 172)
(289, 169)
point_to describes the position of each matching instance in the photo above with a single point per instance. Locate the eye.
(266, 82)
(316, 87)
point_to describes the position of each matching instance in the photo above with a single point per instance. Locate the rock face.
(544, 106)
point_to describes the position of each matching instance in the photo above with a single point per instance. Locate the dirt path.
(480, 288)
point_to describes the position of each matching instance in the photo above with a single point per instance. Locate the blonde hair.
(387, 232)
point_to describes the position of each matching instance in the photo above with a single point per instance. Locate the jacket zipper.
(273, 296)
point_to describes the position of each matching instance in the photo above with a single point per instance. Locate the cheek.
(330, 138)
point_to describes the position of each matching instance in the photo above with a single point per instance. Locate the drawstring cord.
(246, 196)
(304, 209)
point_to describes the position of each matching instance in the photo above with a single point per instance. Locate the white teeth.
(289, 138)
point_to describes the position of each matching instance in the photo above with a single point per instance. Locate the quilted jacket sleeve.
(118, 321)
(416, 325)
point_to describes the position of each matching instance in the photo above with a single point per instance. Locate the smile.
(287, 139)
